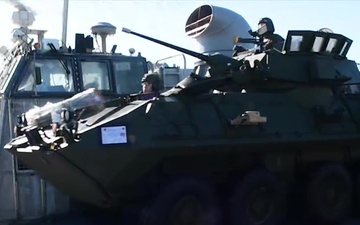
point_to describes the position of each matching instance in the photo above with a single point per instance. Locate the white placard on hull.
(113, 135)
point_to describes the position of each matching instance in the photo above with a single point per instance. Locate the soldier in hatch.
(271, 40)
(150, 86)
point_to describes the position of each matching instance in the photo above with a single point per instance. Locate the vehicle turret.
(308, 58)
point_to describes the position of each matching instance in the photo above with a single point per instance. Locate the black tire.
(349, 222)
(164, 208)
(357, 193)
(329, 193)
(258, 185)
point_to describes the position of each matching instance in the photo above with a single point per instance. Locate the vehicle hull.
(171, 136)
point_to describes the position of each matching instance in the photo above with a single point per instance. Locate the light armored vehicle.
(264, 131)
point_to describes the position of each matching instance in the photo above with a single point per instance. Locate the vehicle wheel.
(357, 193)
(349, 222)
(185, 201)
(329, 193)
(257, 199)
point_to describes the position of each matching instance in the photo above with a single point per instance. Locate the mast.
(64, 25)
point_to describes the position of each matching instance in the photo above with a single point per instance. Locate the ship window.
(331, 45)
(53, 76)
(317, 44)
(296, 41)
(342, 52)
(95, 75)
(128, 76)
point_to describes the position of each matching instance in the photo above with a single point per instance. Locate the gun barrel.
(183, 50)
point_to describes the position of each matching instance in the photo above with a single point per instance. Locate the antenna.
(103, 29)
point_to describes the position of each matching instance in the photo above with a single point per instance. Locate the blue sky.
(165, 20)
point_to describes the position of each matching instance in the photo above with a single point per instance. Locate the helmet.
(152, 78)
(269, 23)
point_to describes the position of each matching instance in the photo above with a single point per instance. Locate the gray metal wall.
(184, 73)
(23, 195)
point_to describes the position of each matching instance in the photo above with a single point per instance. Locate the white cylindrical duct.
(214, 28)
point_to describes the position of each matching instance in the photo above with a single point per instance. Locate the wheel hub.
(260, 205)
(186, 212)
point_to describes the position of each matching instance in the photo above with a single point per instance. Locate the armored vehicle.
(258, 135)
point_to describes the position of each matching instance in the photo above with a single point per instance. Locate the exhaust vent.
(199, 20)
(214, 29)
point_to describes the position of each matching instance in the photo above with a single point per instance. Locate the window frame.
(40, 94)
(339, 49)
(130, 60)
(110, 74)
